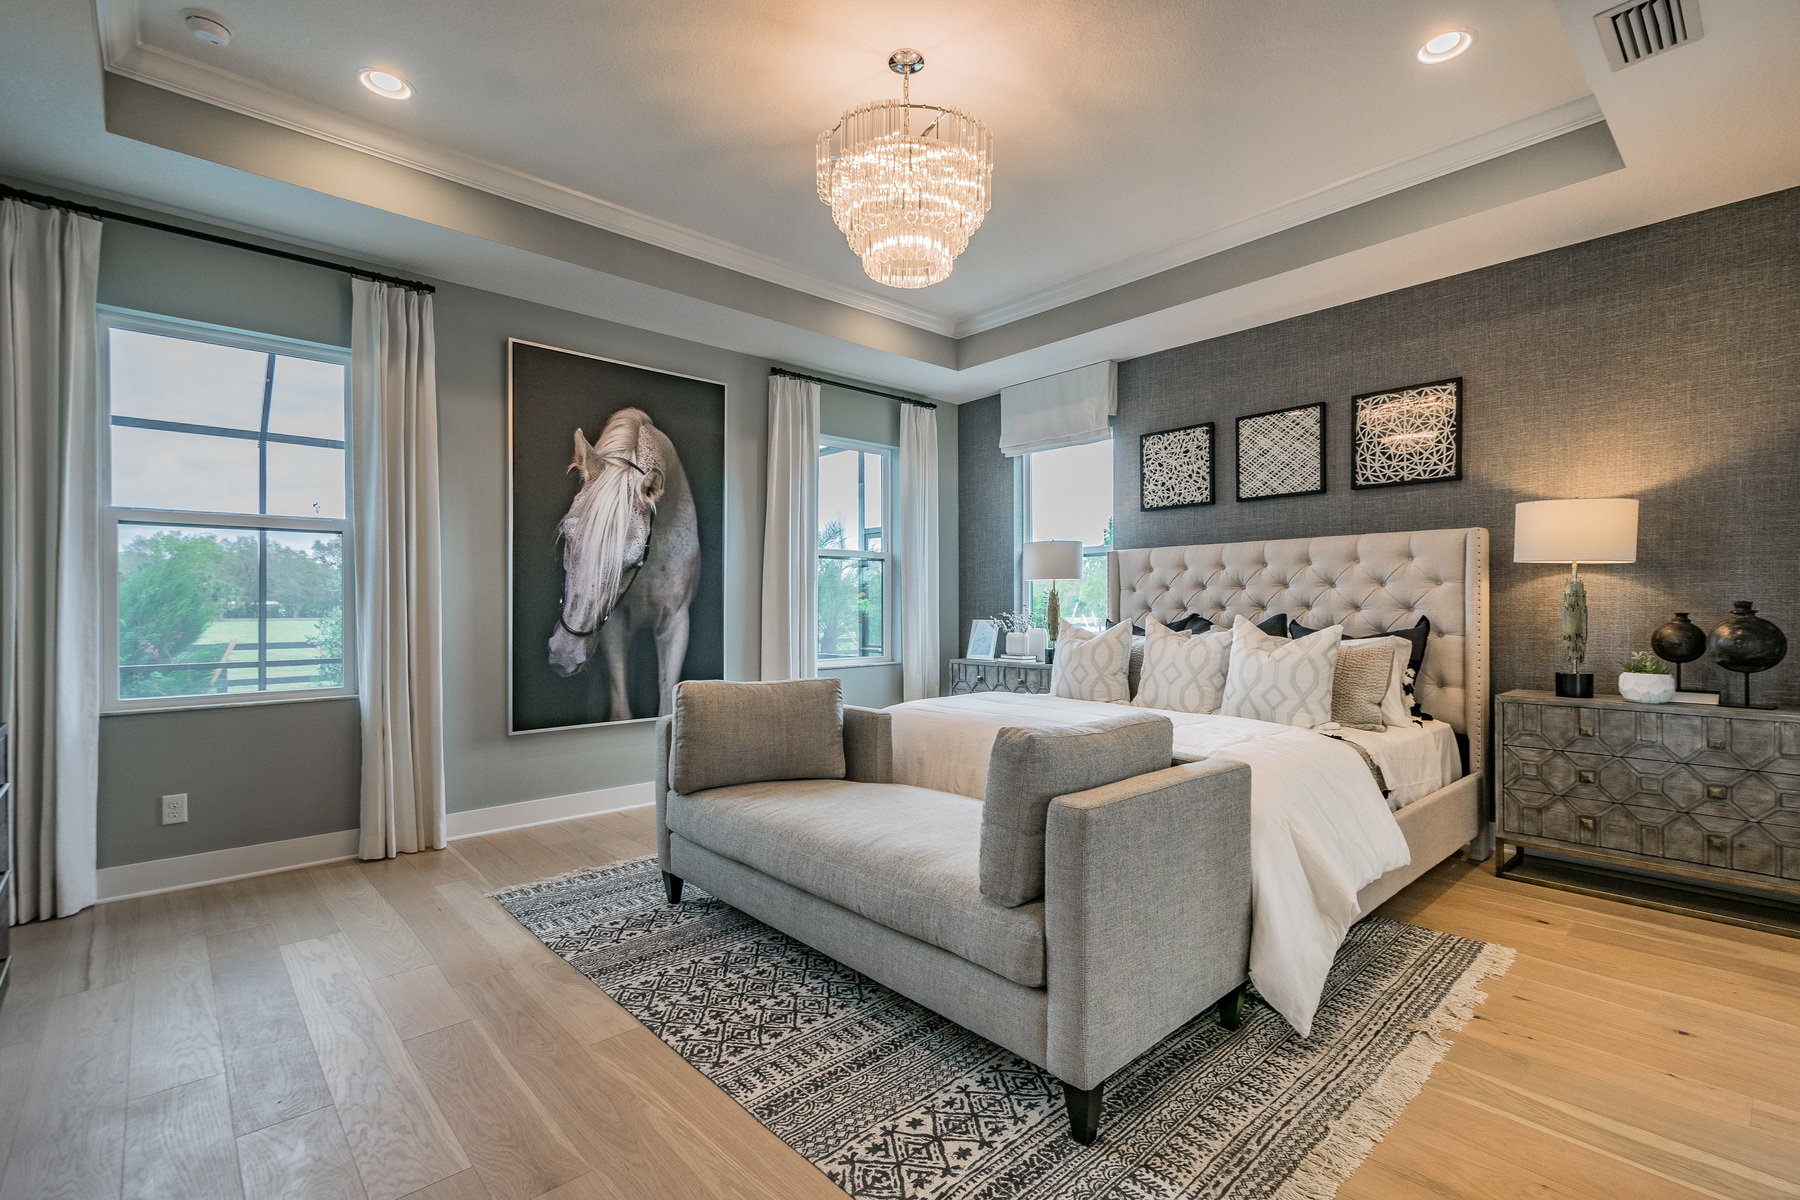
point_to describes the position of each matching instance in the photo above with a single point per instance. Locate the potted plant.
(1645, 678)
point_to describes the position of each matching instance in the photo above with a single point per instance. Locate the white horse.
(631, 557)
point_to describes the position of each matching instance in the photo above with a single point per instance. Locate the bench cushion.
(905, 857)
(722, 732)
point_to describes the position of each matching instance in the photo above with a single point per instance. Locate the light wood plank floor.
(382, 1030)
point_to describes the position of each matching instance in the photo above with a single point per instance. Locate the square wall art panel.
(1406, 435)
(1281, 453)
(1176, 467)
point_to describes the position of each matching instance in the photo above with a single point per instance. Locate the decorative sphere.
(1678, 640)
(1747, 642)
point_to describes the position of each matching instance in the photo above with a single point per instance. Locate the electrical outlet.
(174, 809)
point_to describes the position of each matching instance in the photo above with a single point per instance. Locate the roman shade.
(1059, 410)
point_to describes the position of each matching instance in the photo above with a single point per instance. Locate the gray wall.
(988, 493)
(1662, 363)
(269, 772)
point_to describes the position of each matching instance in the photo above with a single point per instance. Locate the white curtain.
(50, 551)
(398, 653)
(918, 551)
(1059, 410)
(790, 589)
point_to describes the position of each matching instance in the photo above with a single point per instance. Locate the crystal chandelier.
(907, 202)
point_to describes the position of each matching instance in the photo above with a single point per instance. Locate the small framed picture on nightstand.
(984, 638)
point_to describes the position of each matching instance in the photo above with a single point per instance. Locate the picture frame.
(1176, 468)
(1281, 452)
(984, 639)
(1407, 435)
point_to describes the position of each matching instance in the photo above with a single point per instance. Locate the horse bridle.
(563, 605)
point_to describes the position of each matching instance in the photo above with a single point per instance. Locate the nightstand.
(995, 675)
(1704, 794)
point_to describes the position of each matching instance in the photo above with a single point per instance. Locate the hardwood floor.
(382, 1030)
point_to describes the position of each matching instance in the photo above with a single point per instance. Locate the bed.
(1321, 827)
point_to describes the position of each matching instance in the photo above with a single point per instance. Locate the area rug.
(891, 1100)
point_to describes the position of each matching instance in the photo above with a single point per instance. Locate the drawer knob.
(1715, 743)
(1586, 730)
(1715, 793)
(1587, 824)
(1584, 776)
(1716, 843)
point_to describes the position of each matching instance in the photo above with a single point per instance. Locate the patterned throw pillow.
(1396, 705)
(1281, 680)
(1360, 682)
(1183, 672)
(1417, 639)
(1092, 666)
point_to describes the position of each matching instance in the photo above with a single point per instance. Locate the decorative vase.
(1747, 643)
(1642, 688)
(1018, 644)
(1678, 641)
(1037, 640)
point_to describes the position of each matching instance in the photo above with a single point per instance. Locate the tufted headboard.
(1370, 583)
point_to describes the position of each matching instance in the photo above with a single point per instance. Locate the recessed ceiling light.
(207, 28)
(385, 84)
(1446, 46)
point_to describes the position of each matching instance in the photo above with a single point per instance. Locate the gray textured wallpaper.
(1662, 364)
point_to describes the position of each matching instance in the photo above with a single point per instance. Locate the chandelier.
(907, 202)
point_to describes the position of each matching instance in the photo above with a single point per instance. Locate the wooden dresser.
(993, 675)
(6, 857)
(1709, 794)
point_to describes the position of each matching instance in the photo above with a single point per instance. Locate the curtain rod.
(107, 214)
(851, 387)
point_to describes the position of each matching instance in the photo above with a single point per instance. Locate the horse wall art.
(617, 593)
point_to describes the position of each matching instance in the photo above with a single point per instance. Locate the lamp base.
(1575, 685)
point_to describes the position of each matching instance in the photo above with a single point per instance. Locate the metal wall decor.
(1281, 453)
(1175, 467)
(1406, 435)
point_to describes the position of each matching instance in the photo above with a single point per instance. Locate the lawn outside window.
(225, 528)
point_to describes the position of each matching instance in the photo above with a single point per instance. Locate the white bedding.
(1415, 760)
(1319, 828)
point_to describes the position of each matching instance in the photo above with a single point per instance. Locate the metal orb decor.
(1747, 643)
(1678, 640)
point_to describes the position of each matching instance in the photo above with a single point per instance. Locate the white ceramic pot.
(1647, 689)
(1036, 640)
(1019, 643)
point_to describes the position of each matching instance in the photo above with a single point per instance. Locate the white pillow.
(1286, 681)
(1092, 666)
(1183, 672)
(1395, 709)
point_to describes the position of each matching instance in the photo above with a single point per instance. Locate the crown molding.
(1359, 189)
(123, 52)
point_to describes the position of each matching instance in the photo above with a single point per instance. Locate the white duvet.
(1320, 830)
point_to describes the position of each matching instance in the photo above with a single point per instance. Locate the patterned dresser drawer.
(989, 675)
(1714, 795)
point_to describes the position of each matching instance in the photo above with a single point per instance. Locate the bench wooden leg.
(1084, 1112)
(672, 887)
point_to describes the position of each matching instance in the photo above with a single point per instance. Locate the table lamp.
(1052, 561)
(1575, 532)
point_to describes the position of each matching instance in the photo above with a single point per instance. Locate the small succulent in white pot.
(1645, 678)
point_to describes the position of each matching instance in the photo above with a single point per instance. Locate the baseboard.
(527, 813)
(241, 862)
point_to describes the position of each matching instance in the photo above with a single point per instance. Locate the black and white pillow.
(1418, 637)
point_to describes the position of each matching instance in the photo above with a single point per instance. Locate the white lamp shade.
(1575, 531)
(1052, 560)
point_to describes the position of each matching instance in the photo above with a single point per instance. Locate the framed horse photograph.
(616, 532)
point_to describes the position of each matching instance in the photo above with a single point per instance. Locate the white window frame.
(1022, 528)
(890, 591)
(111, 517)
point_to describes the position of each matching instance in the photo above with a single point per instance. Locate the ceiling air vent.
(1633, 32)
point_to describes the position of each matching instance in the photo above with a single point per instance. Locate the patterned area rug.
(890, 1100)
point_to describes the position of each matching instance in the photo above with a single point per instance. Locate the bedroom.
(253, 841)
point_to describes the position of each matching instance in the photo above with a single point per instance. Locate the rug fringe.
(577, 873)
(1353, 1136)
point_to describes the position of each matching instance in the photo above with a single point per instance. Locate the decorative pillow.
(1396, 706)
(727, 733)
(1275, 625)
(1183, 672)
(1191, 623)
(1417, 638)
(1092, 666)
(1281, 680)
(1029, 768)
(1360, 682)
(1135, 668)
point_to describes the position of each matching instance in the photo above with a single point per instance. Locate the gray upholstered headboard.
(1369, 583)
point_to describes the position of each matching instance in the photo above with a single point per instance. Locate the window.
(855, 553)
(225, 513)
(1068, 497)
